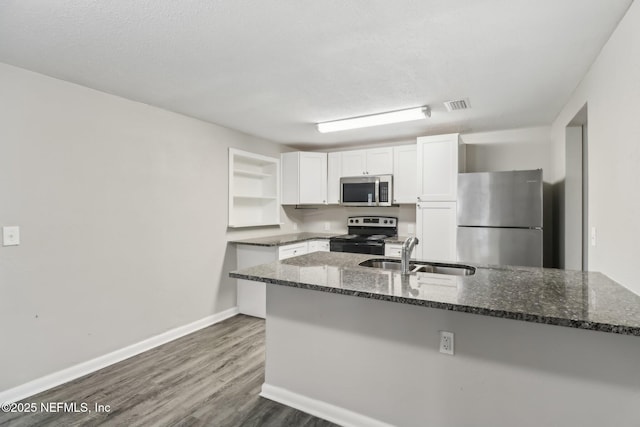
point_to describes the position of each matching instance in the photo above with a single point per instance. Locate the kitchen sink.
(387, 264)
(421, 267)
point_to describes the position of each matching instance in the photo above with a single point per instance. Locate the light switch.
(10, 236)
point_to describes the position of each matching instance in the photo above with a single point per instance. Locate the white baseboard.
(60, 377)
(318, 408)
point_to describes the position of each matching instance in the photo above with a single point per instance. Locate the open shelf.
(254, 189)
(251, 174)
(246, 196)
(252, 224)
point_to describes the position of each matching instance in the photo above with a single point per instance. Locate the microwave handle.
(377, 191)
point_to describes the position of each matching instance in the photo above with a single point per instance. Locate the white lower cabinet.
(318, 246)
(289, 251)
(436, 228)
(252, 295)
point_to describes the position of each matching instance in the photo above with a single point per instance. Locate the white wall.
(611, 90)
(123, 213)
(336, 216)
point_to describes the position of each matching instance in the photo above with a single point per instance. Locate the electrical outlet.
(10, 236)
(593, 236)
(295, 226)
(327, 226)
(446, 342)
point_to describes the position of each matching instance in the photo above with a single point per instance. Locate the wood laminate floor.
(209, 378)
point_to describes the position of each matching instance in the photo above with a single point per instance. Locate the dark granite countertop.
(558, 297)
(396, 239)
(284, 239)
(287, 239)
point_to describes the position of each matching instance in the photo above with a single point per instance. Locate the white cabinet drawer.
(318, 246)
(392, 250)
(395, 250)
(289, 251)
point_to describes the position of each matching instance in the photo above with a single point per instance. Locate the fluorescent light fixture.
(398, 116)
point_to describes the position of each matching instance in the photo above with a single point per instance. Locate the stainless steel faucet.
(407, 248)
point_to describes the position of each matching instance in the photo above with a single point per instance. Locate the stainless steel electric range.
(366, 235)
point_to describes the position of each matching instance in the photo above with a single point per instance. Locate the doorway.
(576, 212)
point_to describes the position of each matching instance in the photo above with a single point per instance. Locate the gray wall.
(123, 212)
(515, 149)
(381, 359)
(611, 92)
(572, 216)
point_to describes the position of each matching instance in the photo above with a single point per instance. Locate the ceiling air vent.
(460, 104)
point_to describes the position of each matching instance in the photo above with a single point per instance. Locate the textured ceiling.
(273, 68)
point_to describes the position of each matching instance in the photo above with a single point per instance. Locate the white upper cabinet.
(304, 178)
(379, 161)
(334, 169)
(405, 176)
(373, 161)
(354, 163)
(440, 158)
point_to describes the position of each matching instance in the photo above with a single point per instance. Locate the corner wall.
(611, 90)
(512, 149)
(123, 213)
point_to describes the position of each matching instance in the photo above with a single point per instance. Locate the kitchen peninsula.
(359, 345)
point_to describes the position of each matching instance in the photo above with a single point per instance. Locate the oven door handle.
(371, 244)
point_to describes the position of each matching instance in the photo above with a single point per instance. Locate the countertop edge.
(504, 314)
(312, 236)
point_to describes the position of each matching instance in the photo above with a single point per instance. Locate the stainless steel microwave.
(372, 190)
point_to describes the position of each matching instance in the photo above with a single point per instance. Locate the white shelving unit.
(254, 189)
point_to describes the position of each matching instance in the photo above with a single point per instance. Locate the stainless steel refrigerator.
(500, 218)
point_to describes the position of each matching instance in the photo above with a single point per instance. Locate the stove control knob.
(385, 221)
(357, 221)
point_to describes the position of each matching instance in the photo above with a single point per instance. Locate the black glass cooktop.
(360, 238)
